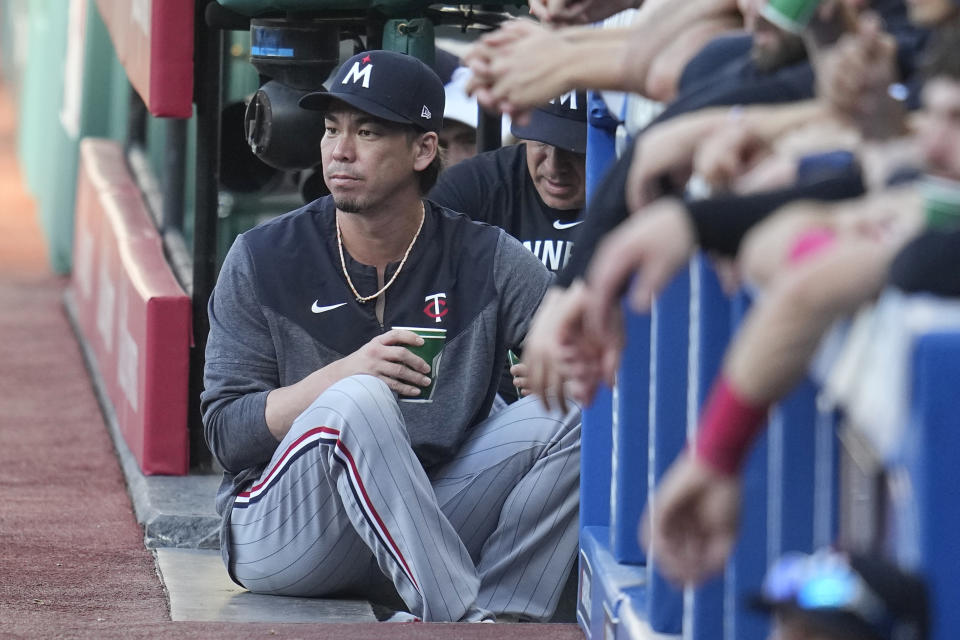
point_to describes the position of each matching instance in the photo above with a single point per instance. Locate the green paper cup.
(790, 15)
(513, 359)
(430, 351)
(941, 203)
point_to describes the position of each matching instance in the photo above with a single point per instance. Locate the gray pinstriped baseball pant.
(345, 505)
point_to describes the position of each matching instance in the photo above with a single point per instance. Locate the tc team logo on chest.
(436, 306)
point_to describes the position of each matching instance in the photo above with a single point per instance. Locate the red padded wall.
(154, 41)
(131, 311)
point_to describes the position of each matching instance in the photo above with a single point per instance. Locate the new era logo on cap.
(386, 84)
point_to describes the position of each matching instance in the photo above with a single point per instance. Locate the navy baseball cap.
(386, 84)
(847, 594)
(560, 123)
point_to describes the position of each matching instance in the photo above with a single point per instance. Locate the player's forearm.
(234, 425)
(286, 403)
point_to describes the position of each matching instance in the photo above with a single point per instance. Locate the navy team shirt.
(282, 309)
(495, 187)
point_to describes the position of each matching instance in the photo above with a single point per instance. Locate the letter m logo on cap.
(356, 74)
(571, 97)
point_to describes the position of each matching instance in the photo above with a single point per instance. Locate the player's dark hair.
(940, 58)
(428, 177)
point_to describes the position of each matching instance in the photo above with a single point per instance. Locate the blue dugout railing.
(791, 498)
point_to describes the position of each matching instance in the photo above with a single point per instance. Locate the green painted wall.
(65, 95)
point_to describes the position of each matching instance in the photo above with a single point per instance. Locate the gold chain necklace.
(343, 264)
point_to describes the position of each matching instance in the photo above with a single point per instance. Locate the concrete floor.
(200, 590)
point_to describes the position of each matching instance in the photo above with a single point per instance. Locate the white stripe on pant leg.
(280, 561)
(454, 579)
(370, 513)
(518, 455)
(396, 487)
(292, 455)
(293, 527)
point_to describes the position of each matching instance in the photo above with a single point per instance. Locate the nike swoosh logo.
(565, 225)
(318, 309)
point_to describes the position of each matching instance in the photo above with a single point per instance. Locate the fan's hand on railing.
(562, 360)
(691, 523)
(517, 67)
(649, 248)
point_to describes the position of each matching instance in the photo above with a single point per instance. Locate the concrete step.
(201, 591)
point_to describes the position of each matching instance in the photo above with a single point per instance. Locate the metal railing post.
(207, 81)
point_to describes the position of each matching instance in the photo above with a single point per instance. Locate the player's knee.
(361, 387)
(571, 421)
(365, 384)
(351, 401)
(556, 425)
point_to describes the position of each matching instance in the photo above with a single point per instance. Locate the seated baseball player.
(353, 464)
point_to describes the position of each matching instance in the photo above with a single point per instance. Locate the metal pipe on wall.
(208, 74)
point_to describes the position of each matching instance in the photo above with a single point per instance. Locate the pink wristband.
(810, 243)
(728, 427)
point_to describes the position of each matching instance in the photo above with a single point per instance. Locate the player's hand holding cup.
(429, 350)
(390, 358)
